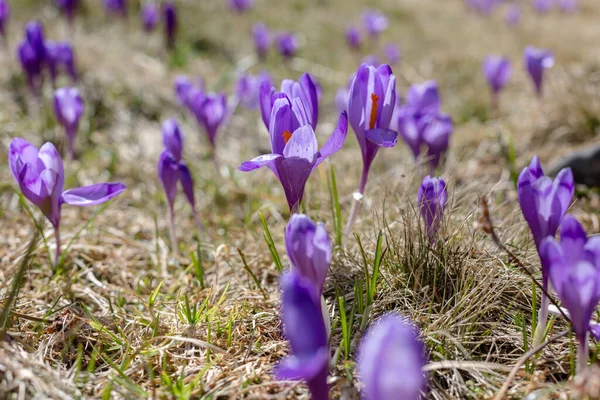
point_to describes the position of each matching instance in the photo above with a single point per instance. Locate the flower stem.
(357, 200)
(57, 254)
(199, 224)
(172, 232)
(540, 330)
(582, 354)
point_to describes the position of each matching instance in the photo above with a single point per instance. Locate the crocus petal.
(336, 140)
(173, 138)
(168, 173)
(187, 183)
(21, 152)
(565, 188)
(49, 158)
(282, 120)
(310, 92)
(293, 173)
(303, 144)
(295, 368)
(258, 162)
(266, 93)
(93, 194)
(382, 137)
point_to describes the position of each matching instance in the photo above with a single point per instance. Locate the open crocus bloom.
(294, 148)
(41, 176)
(536, 61)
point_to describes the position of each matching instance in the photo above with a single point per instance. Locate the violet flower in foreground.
(544, 203)
(262, 40)
(150, 16)
(40, 175)
(68, 7)
(294, 153)
(574, 268)
(287, 45)
(375, 22)
(497, 71)
(306, 332)
(170, 22)
(536, 61)
(171, 170)
(432, 199)
(309, 249)
(390, 360)
(68, 108)
(4, 15)
(353, 38)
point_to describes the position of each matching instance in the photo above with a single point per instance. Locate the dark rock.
(585, 164)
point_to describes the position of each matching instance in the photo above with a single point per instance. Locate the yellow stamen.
(375, 100)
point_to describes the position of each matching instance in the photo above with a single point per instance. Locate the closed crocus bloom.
(390, 360)
(541, 6)
(171, 23)
(309, 249)
(240, 5)
(186, 89)
(513, 15)
(210, 111)
(375, 22)
(497, 71)
(68, 7)
(392, 53)
(34, 34)
(287, 45)
(294, 153)
(59, 56)
(173, 138)
(536, 61)
(116, 7)
(574, 269)
(247, 88)
(41, 176)
(68, 108)
(305, 330)
(4, 15)
(353, 38)
(262, 39)
(150, 16)
(31, 64)
(432, 199)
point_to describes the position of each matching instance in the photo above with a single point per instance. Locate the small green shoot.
(271, 244)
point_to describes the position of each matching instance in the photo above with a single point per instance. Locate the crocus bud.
(240, 5)
(353, 38)
(150, 16)
(497, 71)
(432, 199)
(262, 39)
(68, 108)
(118, 7)
(68, 7)
(287, 45)
(172, 138)
(390, 360)
(247, 88)
(392, 53)
(4, 15)
(59, 55)
(34, 34)
(171, 23)
(210, 111)
(375, 22)
(308, 248)
(305, 330)
(513, 15)
(31, 64)
(536, 61)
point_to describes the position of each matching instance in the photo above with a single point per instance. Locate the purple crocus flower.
(150, 15)
(574, 269)
(172, 169)
(118, 7)
(171, 23)
(240, 5)
(371, 60)
(40, 175)
(68, 108)
(4, 15)
(422, 124)
(187, 90)
(309, 249)
(375, 22)
(432, 199)
(262, 39)
(32, 65)
(392, 53)
(353, 38)
(305, 330)
(544, 203)
(68, 7)
(390, 360)
(59, 55)
(567, 6)
(34, 34)
(308, 99)
(294, 148)
(210, 111)
(541, 6)
(287, 45)
(513, 15)
(370, 107)
(497, 71)
(536, 61)
(247, 88)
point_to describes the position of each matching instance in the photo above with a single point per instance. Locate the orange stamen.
(375, 100)
(287, 135)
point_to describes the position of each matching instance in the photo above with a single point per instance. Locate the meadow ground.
(125, 319)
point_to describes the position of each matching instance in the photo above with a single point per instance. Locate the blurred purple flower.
(371, 60)
(262, 39)
(574, 269)
(32, 55)
(341, 99)
(287, 45)
(59, 55)
(536, 61)
(541, 6)
(116, 7)
(390, 360)
(305, 329)
(186, 89)
(422, 124)
(392, 53)
(497, 71)
(240, 5)
(294, 148)
(247, 88)
(41, 176)
(210, 111)
(171, 23)
(34, 34)
(309, 249)
(432, 199)
(567, 6)
(513, 15)
(370, 106)
(353, 38)
(305, 90)
(68, 7)
(68, 108)
(150, 16)
(375, 22)
(4, 15)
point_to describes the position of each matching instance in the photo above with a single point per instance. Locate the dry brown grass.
(91, 331)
